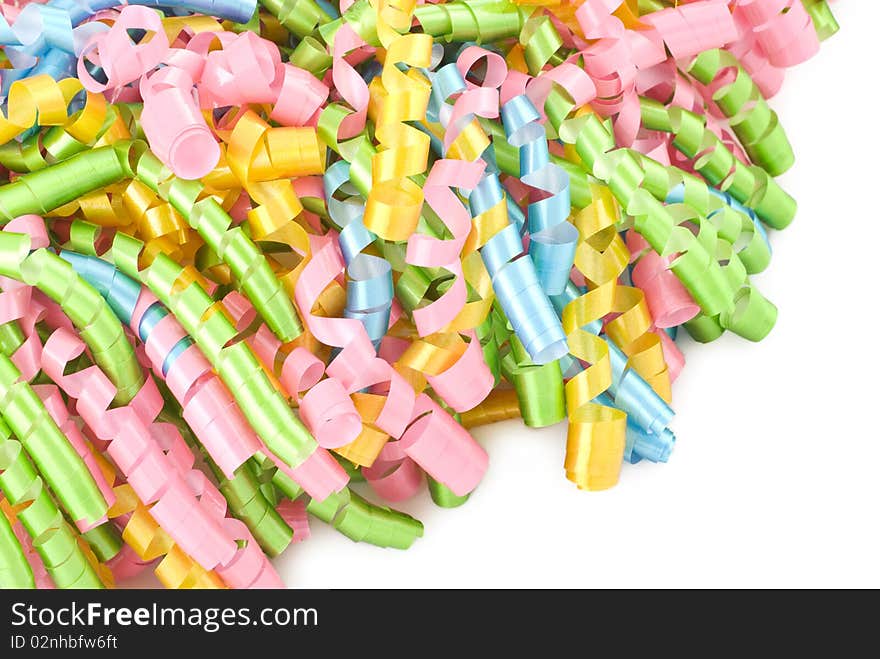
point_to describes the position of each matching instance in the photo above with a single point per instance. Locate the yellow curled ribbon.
(597, 433)
(149, 542)
(394, 203)
(602, 257)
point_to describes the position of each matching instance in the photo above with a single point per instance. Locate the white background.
(774, 478)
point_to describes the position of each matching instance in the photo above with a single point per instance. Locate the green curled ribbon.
(97, 324)
(231, 244)
(312, 56)
(50, 146)
(444, 497)
(53, 539)
(300, 17)
(45, 190)
(366, 522)
(358, 519)
(734, 226)
(749, 185)
(248, 503)
(658, 179)
(823, 20)
(361, 16)
(650, 6)
(741, 309)
(11, 338)
(15, 571)
(756, 126)
(539, 389)
(752, 316)
(540, 41)
(491, 339)
(472, 20)
(104, 540)
(64, 470)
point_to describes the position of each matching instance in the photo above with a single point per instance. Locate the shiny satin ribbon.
(515, 280)
(365, 521)
(552, 237)
(52, 42)
(15, 571)
(369, 290)
(207, 406)
(382, 385)
(54, 540)
(139, 459)
(395, 201)
(751, 186)
(738, 98)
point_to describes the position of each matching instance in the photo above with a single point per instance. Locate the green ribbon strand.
(65, 472)
(53, 539)
(443, 496)
(756, 126)
(231, 244)
(749, 185)
(539, 389)
(47, 189)
(15, 571)
(362, 521)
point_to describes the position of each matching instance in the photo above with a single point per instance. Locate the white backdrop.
(773, 481)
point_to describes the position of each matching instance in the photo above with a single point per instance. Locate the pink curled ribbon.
(783, 28)
(208, 407)
(616, 59)
(439, 445)
(325, 407)
(668, 300)
(431, 252)
(246, 69)
(158, 465)
(295, 515)
(351, 87)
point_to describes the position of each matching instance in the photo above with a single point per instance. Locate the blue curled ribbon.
(514, 277)
(516, 284)
(44, 39)
(522, 288)
(553, 238)
(369, 287)
(647, 414)
(641, 444)
(445, 82)
(122, 293)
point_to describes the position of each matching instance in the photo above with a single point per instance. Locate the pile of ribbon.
(263, 263)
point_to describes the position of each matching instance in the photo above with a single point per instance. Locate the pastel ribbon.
(256, 253)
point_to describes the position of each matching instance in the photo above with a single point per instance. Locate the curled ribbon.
(52, 538)
(309, 245)
(740, 100)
